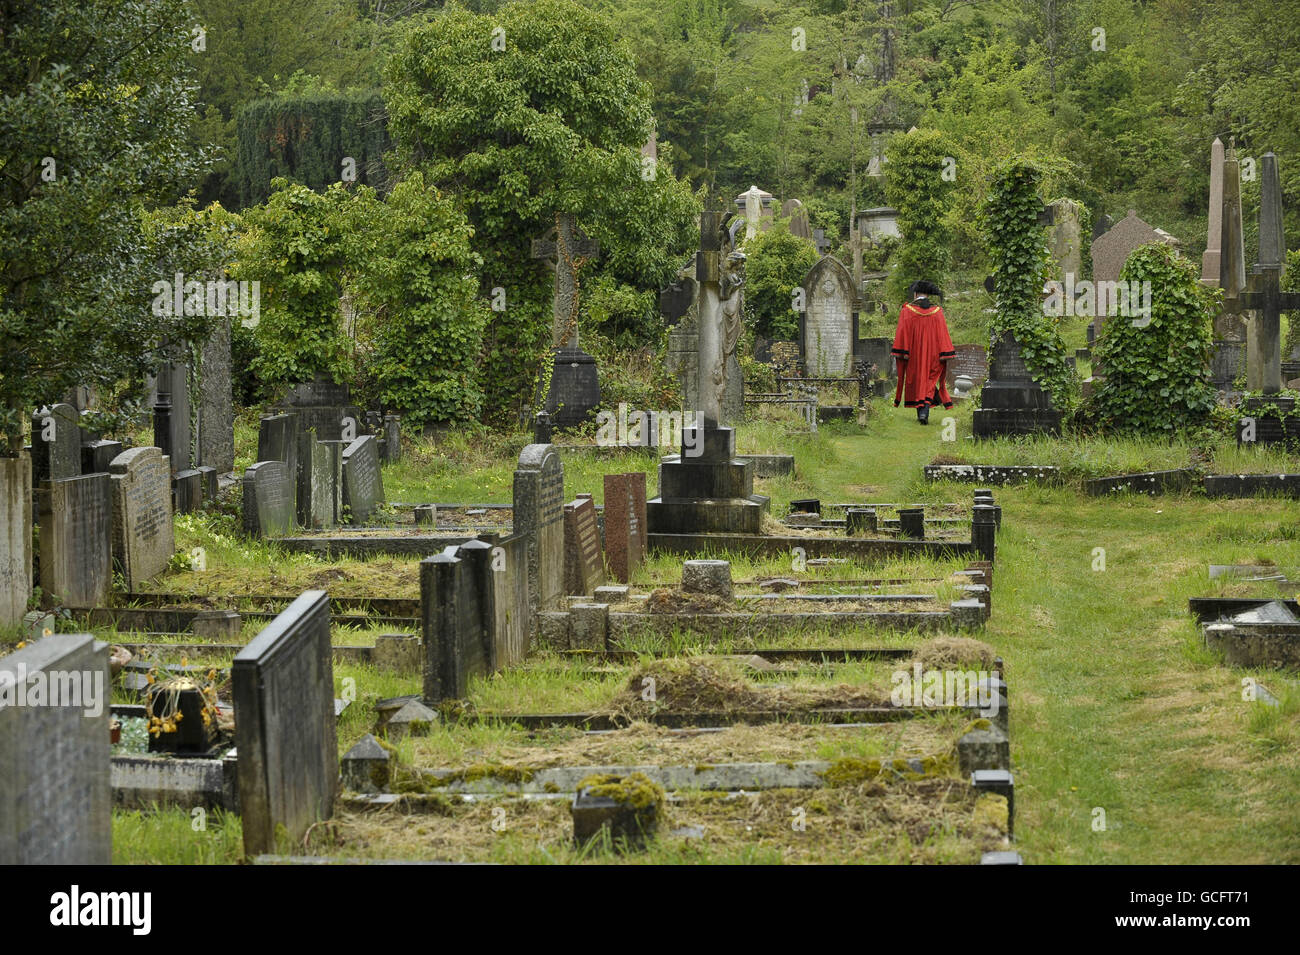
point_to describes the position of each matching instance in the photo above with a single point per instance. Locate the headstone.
(1230, 324)
(624, 546)
(268, 500)
(363, 484)
(208, 479)
(97, 455)
(55, 787)
(1011, 402)
(76, 518)
(171, 402)
(324, 407)
(143, 536)
(793, 210)
(1064, 238)
(187, 491)
(819, 239)
(680, 308)
(320, 481)
(971, 361)
(56, 443)
(828, 326)
(426, 514)
(277, 440)
(707, 577)
(216, 406)
(1111, 250)
(392, 438)
(15, 538)
(584, 562)
(880, 222)
(539, 514)
(366, 767)
(753, 203)
(574, 390)
(285, 729)
(1212, 259)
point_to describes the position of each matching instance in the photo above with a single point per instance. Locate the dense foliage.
(921, 169)
(777, 264)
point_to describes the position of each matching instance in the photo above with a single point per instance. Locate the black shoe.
(923, 415)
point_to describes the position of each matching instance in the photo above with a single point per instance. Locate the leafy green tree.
(417, 274)
(1156, 379)
(532, 112)
(917, 185)
(777, 263)
(92, 133)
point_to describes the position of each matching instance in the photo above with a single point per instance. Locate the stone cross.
(1263, 294)
(819, 237)
(719, 269)
(568, 248)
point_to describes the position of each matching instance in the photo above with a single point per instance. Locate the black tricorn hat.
(924, 288)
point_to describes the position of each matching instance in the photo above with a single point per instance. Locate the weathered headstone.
(1212, 259)
(793, 210)
(268, 504)
(584, 562)
(1111, 250)
(285, 729)
(277, 440)
(55, 789)
(624, 544)
(171, 403)
(1064, 238)
(539, 514)
(216, 407)
(324, 407)
(143, 535)
(363, 484)
(1229, 325)
(187, 491)
(56, 443)
(320, 481)
(392, 438)
(971, 361)
(97, 455)
(76, 518)
(828, 326)
(15, 538)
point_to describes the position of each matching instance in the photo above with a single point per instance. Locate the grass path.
(1116, 708)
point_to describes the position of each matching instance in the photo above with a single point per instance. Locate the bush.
(916, 187)
(777, 264)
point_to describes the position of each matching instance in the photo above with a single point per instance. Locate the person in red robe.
(922, 348)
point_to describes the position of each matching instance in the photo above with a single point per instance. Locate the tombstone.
(828, 324)
(574, 391)
(285, 730)
(76, 518)
(1212, 258)
(55, 787)
(56, 443)
(1064, 239)
(877, 351)
(216, 405)
(1011, 401)
(209, 482)
(584, 562)
(187, 491)
(539, 514)
(971, 361)
(15, 538)
(363, 484)
(277, 440)
(171, 404)
(680, 308)
(793, 210)
(320, 481)
(268, 504)
(98, 454)
(624, 544)
(1111, 250)
(878, 223)
(392, 445)
(143, 536)
(755, 205)
(324, 407)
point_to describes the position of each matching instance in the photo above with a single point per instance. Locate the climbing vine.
(917, 186)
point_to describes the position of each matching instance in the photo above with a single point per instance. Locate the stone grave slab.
(268, 500)
(363, 484)
(624, 523)
(584, 562)
(76, 518)
(539, 513)
(56, 443)
(143, 534)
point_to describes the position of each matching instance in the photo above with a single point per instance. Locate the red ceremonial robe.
(922, 345)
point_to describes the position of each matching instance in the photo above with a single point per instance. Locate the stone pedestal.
(575, 388)
(706, 489)
(1011, 402)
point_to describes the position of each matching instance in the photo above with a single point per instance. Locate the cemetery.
(518, 471)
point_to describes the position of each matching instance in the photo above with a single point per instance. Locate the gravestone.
(216, 405)
(277, 440)
(828, 325)
(363, 484)
(971, 361)
(1212, 258)
(1225, 255)
(320, 481)
(268, 505)
(324, 407)
(584, 562)
(97, 455)
(539, 514)
(1064, 238)
(76, 518)
(15, 538)
(1111, 250)
(285, 731)
(143, 536)
(1011, 401)
(755, 205)
(793, 210)
(624, 524)
(55, 789)
(56, 443)
(171, 403)
(392, 445)
(574, 390)
(187, 491)
(679, 306)
(877, 351)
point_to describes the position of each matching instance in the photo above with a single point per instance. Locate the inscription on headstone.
(539, 513)
(143, 536)
(828, 329)
(76, 521)
(363, 485)
(268, 500)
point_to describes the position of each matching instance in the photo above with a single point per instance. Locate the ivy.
(916, 187)
(777, 263)
(1020, 269)
(1155, 373)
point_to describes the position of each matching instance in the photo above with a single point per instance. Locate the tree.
(917, 184)
(522, 115)
(93, 130)
(777, 264)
